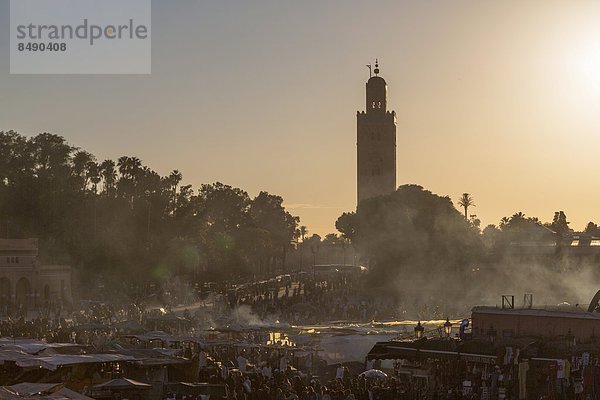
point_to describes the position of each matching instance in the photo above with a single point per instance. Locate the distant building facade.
(568, 252)
(25, 283)
(376, 142)
(546, 323)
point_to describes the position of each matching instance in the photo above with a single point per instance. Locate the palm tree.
(131, 170)
(109, 176)
(172, 181)
(93, 175)
(518, 216)
(129, 167)
(303, 232)
(81, 161)
(466, 201)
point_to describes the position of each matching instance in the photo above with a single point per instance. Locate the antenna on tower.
(376, 67)
(370, 72)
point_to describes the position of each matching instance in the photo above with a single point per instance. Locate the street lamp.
(448, 327)
(419, 330)
(491, 333)
(570, 339)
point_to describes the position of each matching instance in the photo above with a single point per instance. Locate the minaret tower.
(376, 141)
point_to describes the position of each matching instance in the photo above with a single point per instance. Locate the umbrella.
(374, 373)
(122, 384)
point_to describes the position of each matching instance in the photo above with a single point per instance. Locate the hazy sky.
(500, 99)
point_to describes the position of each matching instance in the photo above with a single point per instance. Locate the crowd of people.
(283, 386)
(298, 299)
(257, 371)
(92, 321)
(281, 374)
(320, 300)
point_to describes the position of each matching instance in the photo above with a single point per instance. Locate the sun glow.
(589, 64)
(574, 80)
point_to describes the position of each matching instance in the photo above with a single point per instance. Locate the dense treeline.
(418, 243)
(412, 235)
(120, 219)
(121, 222)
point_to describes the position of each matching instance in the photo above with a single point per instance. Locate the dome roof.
(376, 80)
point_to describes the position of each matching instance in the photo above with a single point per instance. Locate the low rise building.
(25, 282)
(553, 322)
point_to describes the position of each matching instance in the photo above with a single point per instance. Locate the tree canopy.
(123, 219)
(411, 232)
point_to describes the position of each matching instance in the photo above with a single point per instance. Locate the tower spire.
(376, 141)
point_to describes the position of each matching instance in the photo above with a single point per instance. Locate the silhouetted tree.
(303, 232)
(411, 232)
(592, 229)
(346, 225)
(466, 201)
(124, 225)
(267, 212)
(331, 239)
(490, 235)
(560, 224)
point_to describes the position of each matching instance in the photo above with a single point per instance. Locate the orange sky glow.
(500, 99)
